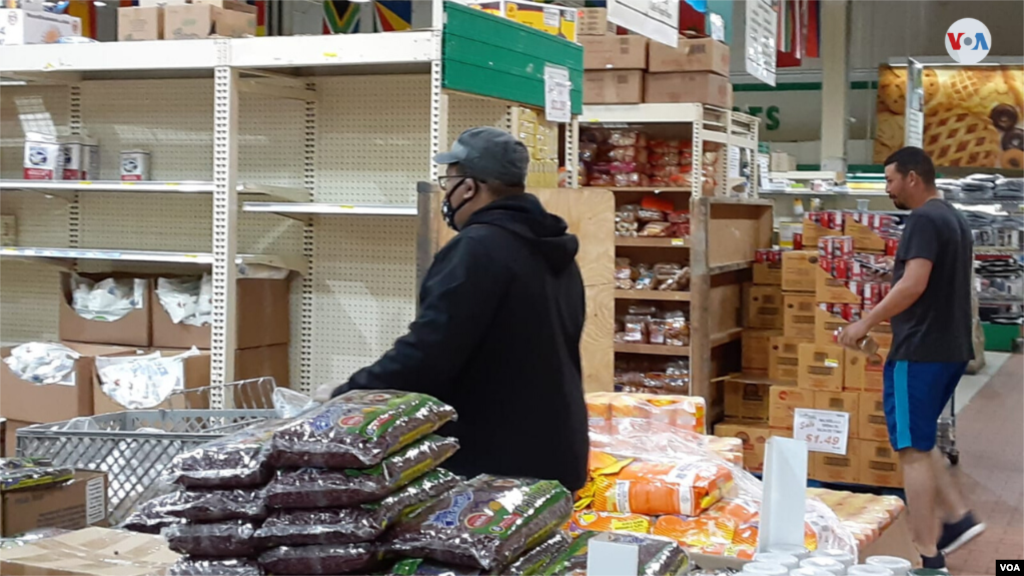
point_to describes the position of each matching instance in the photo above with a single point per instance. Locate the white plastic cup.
(786, 560)
(898, 566)
(830, 565)
(844, 558)
(809, 572)
(792, 549)
(764, 569)
(868, 570)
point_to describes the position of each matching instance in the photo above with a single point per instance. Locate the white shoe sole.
(964, 538)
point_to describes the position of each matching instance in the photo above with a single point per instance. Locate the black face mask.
(448, 211)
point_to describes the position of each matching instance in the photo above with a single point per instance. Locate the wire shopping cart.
(134, 447)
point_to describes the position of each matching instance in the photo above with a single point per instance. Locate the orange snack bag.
(591, 520)
(599, 412)
(740, 510)
(686, 488)
(696, 532)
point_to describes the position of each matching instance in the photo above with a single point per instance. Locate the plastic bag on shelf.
(109, 299)
(148, 518)
(484, 523)
(346, 432)
(187, 300)
(238, 460)
(140, 382)
(320, 488)
(43, 363)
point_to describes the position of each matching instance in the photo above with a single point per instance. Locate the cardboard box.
(813, 231)
(764, 307)
(848, 402)
(798, 270)
(782, 162)
(872, 417)
(798, 315)
(754, 437)
(821, 367)
(10, 445)
(133, 329)
(767, 274)
(863, 372)
(236, 5)
(202, 21)
(91, 552)
(593, 21)
(828, 288)
(195, 374)
(552, 19)
(864, 238)
(879, 465)
(263, 318)
(36, 27)
(692, 55)
(782, 401)
(72, 505)
(253, 363)
(784, 359)
(882, 335)
(757, 347)
(613, 87)
(28, 402)
(836, 467)
(702, 87)
(617, 52)
(746, 401)
(140, 24)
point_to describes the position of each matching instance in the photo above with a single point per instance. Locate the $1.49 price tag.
(823, 430)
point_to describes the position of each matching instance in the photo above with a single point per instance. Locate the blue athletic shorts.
(915, 393)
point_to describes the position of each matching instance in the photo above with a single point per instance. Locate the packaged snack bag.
(593, 521)
(16, 473)
(189, 566)
(696, 532)
(148, 518)
(206, 506)
(233, 539)
(302, 560)
(421, 567)
(534, 561)
(688, 487)
(237, 460)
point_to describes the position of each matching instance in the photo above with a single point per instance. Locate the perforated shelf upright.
(333, 132)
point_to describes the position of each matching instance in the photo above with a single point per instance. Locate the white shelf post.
(225, 221)
(835, 84)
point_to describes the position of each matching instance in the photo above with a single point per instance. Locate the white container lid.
(134, 151)
(821, 563)
(792, 549)
(764, 569)
(844, 558)
(898, 566)
(790, 562)
(806, 571)
(868, 570)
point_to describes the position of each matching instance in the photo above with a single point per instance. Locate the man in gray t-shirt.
(930, 309)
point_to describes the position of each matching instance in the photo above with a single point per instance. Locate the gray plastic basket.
(132, 447)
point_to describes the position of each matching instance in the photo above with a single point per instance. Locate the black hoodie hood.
(524, 216)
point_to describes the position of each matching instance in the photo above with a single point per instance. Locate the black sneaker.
(937, 563)
(959, 533)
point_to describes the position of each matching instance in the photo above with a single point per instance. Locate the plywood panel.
(596, 351)
(734, 232)
(590, 215)
(724, 303)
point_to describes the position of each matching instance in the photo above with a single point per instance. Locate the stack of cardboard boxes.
(262, 340)
(185, 19)
(629, 69)
(791, 361)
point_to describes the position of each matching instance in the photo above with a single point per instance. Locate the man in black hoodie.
(499, 326)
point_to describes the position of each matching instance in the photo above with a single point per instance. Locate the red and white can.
(761, 255)
(798, 240)
(841, 268)
(842, 246)
(891, 246)
(852, 312)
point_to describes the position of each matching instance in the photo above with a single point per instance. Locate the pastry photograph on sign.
(973, 116)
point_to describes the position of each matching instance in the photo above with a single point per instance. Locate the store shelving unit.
(725, 230)
(316, 126)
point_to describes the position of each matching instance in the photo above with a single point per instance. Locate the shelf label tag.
(823, 430)
(679, 241)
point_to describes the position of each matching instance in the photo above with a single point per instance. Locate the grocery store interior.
(226, 209)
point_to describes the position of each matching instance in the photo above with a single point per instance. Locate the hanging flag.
(814, 29)
(342, 16)
(392, 15)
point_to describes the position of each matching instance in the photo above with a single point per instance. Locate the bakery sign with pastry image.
(973, 115)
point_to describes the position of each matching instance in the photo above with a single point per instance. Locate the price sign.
(557, 94)
(823, 430)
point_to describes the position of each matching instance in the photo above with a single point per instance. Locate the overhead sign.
(823, 430)
(656, 19)
(761, 39)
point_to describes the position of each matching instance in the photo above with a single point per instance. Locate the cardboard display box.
(798, 315)
(784, 359)
(828, 288)
(798, 270)
(756, 349)
(72, 505)
(262, 312)
(754, 437)
(202, 21)
(821, 367)
(10, 446)
(615, 52)
(764, 307)
(782, 401)
(692, 55)
(863, 372)
(140, 24)
(872, 417)
(767, 274)
(593, 21)
(746, 401)
(879, 465)
(702, 87)
(836, 467)
(28, 402)
(812, 231)
(613, 87)
(826, 324)
(864, 238)
(91, 552)
(133, 329)
(848, 402)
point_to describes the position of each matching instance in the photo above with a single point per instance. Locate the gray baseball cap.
(489, 154)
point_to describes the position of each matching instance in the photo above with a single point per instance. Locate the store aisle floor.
(990, 437)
